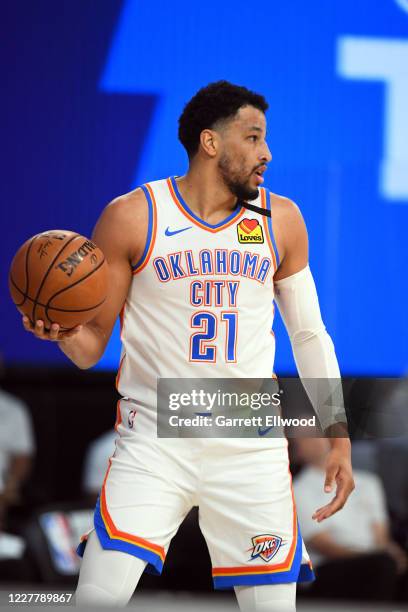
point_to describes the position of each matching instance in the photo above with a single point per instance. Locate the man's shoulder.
(137, 197)
(127, 209)
(283, 205)
(7, 401)
(128, 199)
(289, 227)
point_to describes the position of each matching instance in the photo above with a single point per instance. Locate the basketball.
(59, 276)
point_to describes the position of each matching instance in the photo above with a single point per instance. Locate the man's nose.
(266, 154)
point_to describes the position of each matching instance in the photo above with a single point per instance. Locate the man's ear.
(210, 142)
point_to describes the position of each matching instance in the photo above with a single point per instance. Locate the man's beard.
(237, 187)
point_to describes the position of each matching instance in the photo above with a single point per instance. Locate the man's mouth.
(259, 174)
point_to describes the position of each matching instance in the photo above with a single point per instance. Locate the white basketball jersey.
(200, 303)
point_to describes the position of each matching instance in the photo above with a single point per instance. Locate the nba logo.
(131, 418)
(265, 546)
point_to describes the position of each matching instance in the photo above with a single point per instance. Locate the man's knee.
(267, 598)
(107, 577)
(93, 595)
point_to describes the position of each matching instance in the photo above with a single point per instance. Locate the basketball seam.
(73, 309)
(27, 278)
(76, 283)
(25, 296)
(25, 292)
(65, 310)
(48, 271)
(48, 307)
(55, 307)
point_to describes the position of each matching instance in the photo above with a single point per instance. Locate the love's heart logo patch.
(248, 225)
(249, 230)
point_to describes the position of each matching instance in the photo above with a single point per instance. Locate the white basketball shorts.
(243, 488)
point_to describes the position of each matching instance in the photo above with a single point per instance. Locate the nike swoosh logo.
(262, 431)
(168, 231)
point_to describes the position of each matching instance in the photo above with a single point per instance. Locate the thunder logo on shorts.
(265, 547)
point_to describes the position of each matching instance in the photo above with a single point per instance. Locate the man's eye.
(253, 138)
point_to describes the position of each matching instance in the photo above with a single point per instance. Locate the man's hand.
(3, 509)
(385, 542)
(11, 493)
(339, 472)
(54, 334)
(399, 555)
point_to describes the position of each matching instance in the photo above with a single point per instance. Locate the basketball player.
(194, 296)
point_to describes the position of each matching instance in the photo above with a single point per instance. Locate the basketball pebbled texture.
(59, 276)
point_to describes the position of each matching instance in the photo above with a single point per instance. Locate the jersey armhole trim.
(267, 221)
(270, 226)
(151, 229)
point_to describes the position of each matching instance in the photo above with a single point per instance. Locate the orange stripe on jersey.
(121, 320)
(194, 219)
(116, 534)
(273, 316)
(153, 234)
(118, 414)
(117, 380)
(266, 228)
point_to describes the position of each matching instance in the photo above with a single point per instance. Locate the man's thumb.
(331, 472)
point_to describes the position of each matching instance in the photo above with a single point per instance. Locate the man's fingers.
(54, 330)
(331, 473)
(336, 504)
(37, 329)
(27, 324)
(54, 333)
(345, 486)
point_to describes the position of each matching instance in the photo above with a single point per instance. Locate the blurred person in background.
(17, 450)
(354, 543)
(379, 420)
(393, 454)
(96, 464)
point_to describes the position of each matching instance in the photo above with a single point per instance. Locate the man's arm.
(379, 520)
(18, 470)
(312, 346)
(121, 233)
(385, 542)
(325, 544)
(291, 237)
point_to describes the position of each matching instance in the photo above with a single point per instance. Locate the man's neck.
(206, 195)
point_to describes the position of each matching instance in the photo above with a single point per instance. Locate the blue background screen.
(91, 97)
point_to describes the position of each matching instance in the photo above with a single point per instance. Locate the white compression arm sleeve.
(312, 346)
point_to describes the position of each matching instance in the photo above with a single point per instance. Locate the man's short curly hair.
(215, 102)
